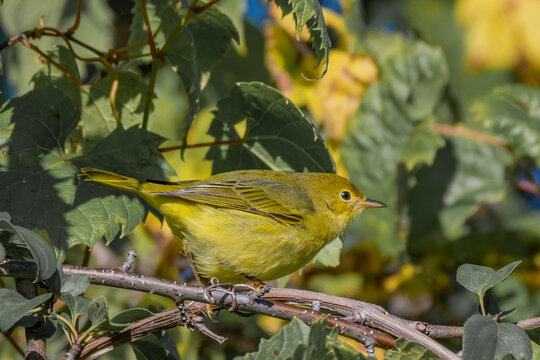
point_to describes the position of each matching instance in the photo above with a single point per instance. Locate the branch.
(471, 134)
(349, 316)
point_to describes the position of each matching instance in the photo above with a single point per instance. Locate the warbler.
(249, 224)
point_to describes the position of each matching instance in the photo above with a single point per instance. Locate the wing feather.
(259, 197)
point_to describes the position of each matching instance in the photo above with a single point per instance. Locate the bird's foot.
(256, 292)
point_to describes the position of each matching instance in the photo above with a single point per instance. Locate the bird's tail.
(110, 180)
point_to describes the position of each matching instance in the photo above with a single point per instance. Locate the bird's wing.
(254, 196)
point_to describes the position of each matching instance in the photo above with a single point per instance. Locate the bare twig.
(128, 264)
(14, 344)
(213, 143)
(471, 134)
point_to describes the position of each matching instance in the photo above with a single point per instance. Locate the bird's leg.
(189, 256)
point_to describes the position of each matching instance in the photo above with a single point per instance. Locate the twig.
(75, 26)
(471, 134)
(14, 344)
(24, 40)
(151, 42)
(202, 8)
(128, 264)
(213, 143)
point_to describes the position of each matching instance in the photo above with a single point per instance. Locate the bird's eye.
(345, 195)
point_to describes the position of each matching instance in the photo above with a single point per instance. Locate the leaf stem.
(471, 134)
(482, 308)
(202, 8)
(156, 62)
(75, 26)
(213, 143)
(149, 33)
(24, 40)
(71, 327)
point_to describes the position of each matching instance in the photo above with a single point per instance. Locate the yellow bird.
(249, 224)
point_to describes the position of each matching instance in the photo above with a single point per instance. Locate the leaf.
(277, 134)
(284, 344)
(213, 32)
(486, 339)
(422, 147)
(101, 212)
(309, 13)
(416, 76)
(97, 117)
(476, 180)
(407, 350)
(329, 254)
(128, 316)
(41, 250)
(75, 284)
(480, 279)
(371, 150)
(37, 172)
(2, 253)
(98, 312)
(50, 75)
(183, 58)
(511, 113)
(77, 304)
(14, 306)
(137, 29)
(96, 29)
(147, 350)
(296, 340)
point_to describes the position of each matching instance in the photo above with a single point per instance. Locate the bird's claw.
(232, 290)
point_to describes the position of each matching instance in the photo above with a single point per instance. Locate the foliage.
(453, 153)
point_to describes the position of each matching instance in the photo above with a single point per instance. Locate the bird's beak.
(368, 203)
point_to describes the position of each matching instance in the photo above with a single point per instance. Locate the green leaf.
(213, 32)
(128, 316)
(137, 29)
(309, 13)
(422, 147)
(284, 344)
(41, 250)
(96, 29)
(75, 284)
(480, 279)
(182, 56)
(511, 113)
(296, 340)
(98, 120)
(37, 172)
(416, 76)
(407, 350)
(477, 180)
(486, 339)
(50, 75)
(371, 150)
(329, 254)
(98, 312)
(14, 306)
(2, 253)
(148, 350)
(278, 136)
(77, 304)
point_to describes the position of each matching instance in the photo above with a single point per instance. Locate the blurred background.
(451, 203)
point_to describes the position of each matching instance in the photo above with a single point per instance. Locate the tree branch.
(364, 322)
